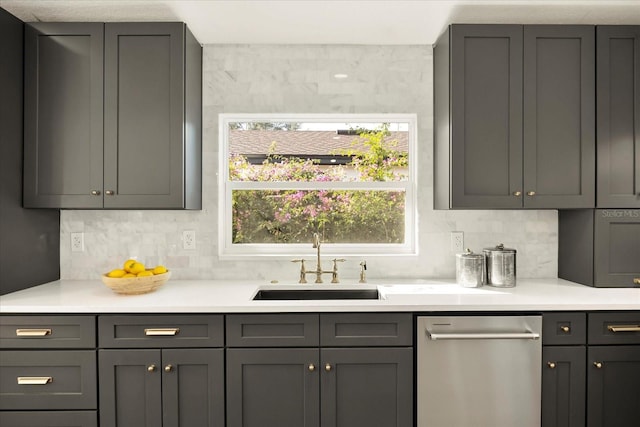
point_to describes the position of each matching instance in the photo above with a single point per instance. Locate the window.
(350, 178)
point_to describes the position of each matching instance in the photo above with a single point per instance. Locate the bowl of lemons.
(135, 279)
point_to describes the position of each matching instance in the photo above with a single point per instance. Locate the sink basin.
(316, 294)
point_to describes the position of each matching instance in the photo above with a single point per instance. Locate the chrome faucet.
(318, 271)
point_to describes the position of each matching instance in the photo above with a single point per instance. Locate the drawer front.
(272, 330)
(48, 379)
(614, 328)
(366, 329)
(160, 331)
(47, 332)
(49, 419)
(564, 328)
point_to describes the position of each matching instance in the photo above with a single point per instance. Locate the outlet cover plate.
(457, 242)
(77, 242)
(189, 240)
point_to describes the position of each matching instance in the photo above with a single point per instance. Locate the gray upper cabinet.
(63, 115)
(618, 116)
(124, 130)
(513, 136)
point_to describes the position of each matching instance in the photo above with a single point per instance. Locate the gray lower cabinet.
(48, 371)
(600, 247)
(350, 370)
(168, 387)
(502, 139)
(564, 338)
(112, 116)
(618, 116)
(563, 386)
(613, 370)
(161, 370)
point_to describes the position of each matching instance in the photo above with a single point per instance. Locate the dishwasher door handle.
(484, 336)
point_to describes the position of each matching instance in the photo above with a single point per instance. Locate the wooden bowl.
(135, 285)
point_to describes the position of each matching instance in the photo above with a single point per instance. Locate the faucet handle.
(303, 270)
(363, 268)
(336, 261)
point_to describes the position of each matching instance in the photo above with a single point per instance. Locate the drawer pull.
(597, 365)
(565, 329)
(624, 328)
(551, 365)
(636, 280)
(34, 380)
(161, 332)
(33, 332)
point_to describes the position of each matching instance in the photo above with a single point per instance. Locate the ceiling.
(329, 21)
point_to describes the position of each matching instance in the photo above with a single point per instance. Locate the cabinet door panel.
(486, 121)
(563, 386)
(273, 387)
(130, 392)
(613, 392)
(618, 115)
(559, 115)
(193, 387)
(63, 115)
(367, 387)
(144, 115)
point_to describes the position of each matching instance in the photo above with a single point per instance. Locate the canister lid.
(499, 248)
(468, 254)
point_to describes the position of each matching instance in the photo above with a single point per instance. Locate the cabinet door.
(271, 387)
(130, 388)
(486, 116)
(559, 116)
(193, 387)
(617, 247)
(613, 394)
(63, 115)
(618, 116)
(563, 386)
(144, 115)
(367, 387)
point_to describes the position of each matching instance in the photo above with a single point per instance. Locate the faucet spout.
(316, 245)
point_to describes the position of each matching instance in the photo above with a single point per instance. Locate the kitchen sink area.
(317, 294)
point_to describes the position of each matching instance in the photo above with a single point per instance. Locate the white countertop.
(218, 296)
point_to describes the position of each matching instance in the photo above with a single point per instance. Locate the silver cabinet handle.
(168, 368)
(485, 336)
(151, 368)
(109, 192)
(33, 332)
(517, 193)
(312, 367)
(565, 329)
(327, 367)
(552, 365)
(636, 280)
(95, 192)
(161, 332)
(597, 365)
(624, 328)
(34, 380)
(531, 193)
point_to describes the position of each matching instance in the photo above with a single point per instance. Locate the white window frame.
(226, 248)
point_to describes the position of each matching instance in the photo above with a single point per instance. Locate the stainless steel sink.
(315, 294)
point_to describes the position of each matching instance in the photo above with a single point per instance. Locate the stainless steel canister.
(470, 269)
(501, 266)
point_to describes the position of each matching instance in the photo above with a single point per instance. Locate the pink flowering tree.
(340, 216)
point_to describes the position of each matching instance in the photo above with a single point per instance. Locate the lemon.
(160, 269)
(128, 276)
(116, 273)
(128, 264)
(136, 268)
(145, 273)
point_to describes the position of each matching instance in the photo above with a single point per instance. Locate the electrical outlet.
(189, 239)
(77, 242)
(457, 241)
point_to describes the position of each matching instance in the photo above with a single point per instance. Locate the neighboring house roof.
(300, 143)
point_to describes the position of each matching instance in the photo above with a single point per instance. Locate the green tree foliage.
(340, 216)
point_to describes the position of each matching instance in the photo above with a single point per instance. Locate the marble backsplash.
(299, 79)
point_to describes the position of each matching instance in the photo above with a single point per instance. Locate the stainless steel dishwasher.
(479, 371)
